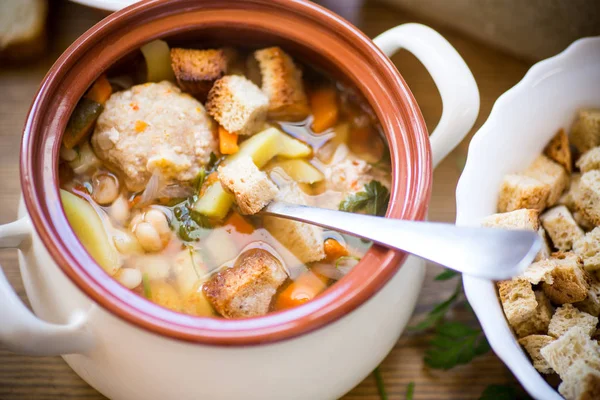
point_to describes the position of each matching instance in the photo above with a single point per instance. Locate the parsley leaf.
(372, 200)
(438, 311)
(503, 392)
(380, 384)
(410, 391)
(447, 274)
(454, 344)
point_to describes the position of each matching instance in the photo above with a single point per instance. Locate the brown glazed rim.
(299, 21)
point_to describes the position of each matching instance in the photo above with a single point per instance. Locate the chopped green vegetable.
(146, 286)
(82, 120)
(373, 200)
(213, 163)
(189, 225)
(503, 392)
(446, 275)
(438, 311)
(410, 391)
(380, 384)
(454, 344)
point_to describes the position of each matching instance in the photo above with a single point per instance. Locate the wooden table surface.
(24, 377)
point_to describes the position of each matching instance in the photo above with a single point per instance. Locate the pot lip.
(394, 104)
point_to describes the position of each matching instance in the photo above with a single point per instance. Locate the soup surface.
(163, 177)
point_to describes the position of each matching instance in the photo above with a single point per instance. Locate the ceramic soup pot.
(129, 348)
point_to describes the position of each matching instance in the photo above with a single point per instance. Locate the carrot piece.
(227, 141)
(239, 223)
(324, 107)
(334, 249)
(100, 90)
(305, 288)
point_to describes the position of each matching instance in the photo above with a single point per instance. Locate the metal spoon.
(489, 253)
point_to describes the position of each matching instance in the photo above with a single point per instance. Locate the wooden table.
(49, 377)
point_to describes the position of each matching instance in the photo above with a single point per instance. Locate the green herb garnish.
(213, 163)
(372, 200)
(189, 225)
(447, 274)
(503, 392)
(454, 344)
(410, 391)
(380, 384)
(439, 311)
(146, 286)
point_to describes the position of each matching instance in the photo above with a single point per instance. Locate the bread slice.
(588, 247)
(561, 227)
(282, 83)
(547, 171)
(589, 160)
(519, 191)
(591, 304)
(567, 316)
(570, 283)
(252, 188)
(559, 151)
(585, 133)
(587, 197)
(524, 219)
(247, 288)
(303, 240)
(518, 300)
(533, 344)
(573, 345)
(197, 70)
(539, 321)
(581, 382)
(22, 29)
(237, 104)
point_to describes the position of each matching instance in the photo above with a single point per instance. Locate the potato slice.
(299, 170)
(158, 61)
(293, 148)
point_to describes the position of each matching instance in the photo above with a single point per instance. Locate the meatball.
(154, 128)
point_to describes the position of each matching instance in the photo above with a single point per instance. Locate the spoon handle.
(488, 253)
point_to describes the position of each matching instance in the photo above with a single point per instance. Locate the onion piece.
(151, 191)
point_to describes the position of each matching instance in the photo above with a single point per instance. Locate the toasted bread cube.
(237, 104)
(247, 288)
(588, 247)
(561, 227)
(587, 197)
(303, 240)
(559, 151)
(519, 219)
(567, 316)
(282, 83)
(539, 321)
(519, 191)
(545, 251)
(518, 300)
(197, 70)
(570, 283)
(585, 133)
(591, 304)
(581, 382)
(573, 345)
(540, 271)
(590, 160)
(533, 344)
(252, 188)
(547, 171)
(567, 199)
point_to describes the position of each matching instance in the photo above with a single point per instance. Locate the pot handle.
(23, 332)
(454, 80)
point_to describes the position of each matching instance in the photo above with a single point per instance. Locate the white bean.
(105, 189)
(119, 210)
(68, 154)
(159, 222)
(130, 277)
(148, 237)
(126, 243)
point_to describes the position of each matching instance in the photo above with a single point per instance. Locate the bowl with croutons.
(535, 165)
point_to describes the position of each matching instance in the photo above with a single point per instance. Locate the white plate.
(108, 5)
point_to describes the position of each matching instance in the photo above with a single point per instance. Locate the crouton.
(519, 219)
(573, 345)
(559, 151)
(247, 288)
(252, 188)
(567, 198)
(518, 300)
(518, 191)
(197, 70)
(540, 271)
(282, 83)
(570, 283)
(545, 250)
(591, 304)
(588, 247)
(303, 240)
(567, 316)
(561, 227)
(237, 104)
(533, 344)
(590, 160)
(585, 133)
(581, 382)
(547, 171)
(539, 321)
(587, 196)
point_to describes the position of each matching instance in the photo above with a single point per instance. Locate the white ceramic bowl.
(522, 121)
